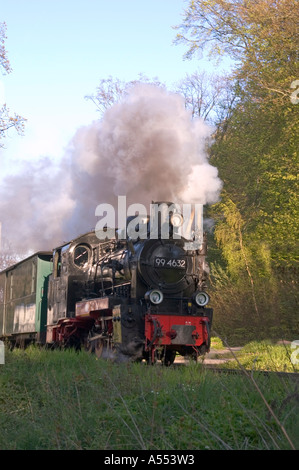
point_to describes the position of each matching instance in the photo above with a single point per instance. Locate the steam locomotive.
(139, 298)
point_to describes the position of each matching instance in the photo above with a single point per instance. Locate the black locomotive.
(141, 298)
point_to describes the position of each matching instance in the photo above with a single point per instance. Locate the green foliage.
(216, 343)
(268, 356)
(264, 356)
(258, 162)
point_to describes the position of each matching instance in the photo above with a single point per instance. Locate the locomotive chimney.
(160, 215)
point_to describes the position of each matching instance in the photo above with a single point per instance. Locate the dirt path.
(215, 356)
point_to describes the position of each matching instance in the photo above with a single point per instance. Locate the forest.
(254, 240)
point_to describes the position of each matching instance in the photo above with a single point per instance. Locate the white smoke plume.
(146, 147)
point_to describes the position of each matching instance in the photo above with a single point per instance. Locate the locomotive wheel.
(168, 357)
(95, 346)
(98, 348)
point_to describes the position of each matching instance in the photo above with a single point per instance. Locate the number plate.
(170, 263)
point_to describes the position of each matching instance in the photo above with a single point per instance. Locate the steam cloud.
(146, 147)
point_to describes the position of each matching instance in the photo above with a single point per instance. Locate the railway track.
(294, 376)
(213, 361)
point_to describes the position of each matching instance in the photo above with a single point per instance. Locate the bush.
(243, 313)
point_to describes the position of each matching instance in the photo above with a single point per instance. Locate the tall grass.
(266, 356)
(68, 400)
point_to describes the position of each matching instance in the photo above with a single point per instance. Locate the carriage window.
(81, 256)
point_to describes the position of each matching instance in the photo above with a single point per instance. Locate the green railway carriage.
(23, 299)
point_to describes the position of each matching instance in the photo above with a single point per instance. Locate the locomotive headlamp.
(155, 296)
(176, 220)
(201, 298)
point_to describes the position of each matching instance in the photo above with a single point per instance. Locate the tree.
(261, 36)
(111, 90)
(7, 120)
(7, 258)
(205, 95)
(4, 62)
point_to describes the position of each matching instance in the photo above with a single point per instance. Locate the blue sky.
(59, 51)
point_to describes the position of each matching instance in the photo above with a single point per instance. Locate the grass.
(216, 343)
(68, 400)
(263, 355)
